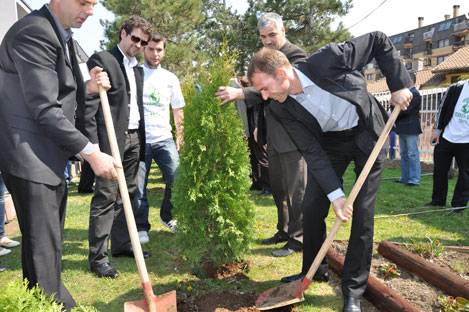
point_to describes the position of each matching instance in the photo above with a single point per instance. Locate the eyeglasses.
(136, 39)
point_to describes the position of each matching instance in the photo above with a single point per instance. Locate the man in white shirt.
(161, 90)
(451, 136)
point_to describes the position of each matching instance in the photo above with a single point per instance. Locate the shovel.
(152, 303)
(293, 292)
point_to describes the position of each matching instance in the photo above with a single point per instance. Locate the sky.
(391, 17)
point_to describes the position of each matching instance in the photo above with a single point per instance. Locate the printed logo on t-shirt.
(463, 114)
(155, 98)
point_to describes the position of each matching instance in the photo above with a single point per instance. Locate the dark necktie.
(76, 71)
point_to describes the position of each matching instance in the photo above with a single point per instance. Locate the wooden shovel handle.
(129, 216)
(353, 194)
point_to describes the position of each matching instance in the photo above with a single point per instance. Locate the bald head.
(72, 13)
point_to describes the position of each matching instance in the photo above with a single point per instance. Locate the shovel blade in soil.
(164, 303)
(280, 296)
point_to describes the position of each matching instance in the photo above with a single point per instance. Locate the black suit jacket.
(277, 138)
(119, 97)
(408, 121)
(336, 68)
(38, 96)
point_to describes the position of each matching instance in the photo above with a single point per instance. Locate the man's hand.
(343, 213)
(435, 139)
(102, 164)
(401, 98)
(226, 94)
(98, 78)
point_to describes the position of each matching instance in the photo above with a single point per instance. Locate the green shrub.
(16, 297)
(211, 189)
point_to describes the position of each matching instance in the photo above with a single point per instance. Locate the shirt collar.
(130, 62)
(65, 34)
(148, 67)
(304, 80)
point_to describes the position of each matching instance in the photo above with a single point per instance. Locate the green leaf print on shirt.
(155, 98)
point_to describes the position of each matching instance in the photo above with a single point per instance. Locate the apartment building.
(431, 51)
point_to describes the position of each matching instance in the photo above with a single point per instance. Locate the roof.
(456, 62)
(422, 77)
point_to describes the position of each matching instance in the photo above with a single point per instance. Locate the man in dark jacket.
(326, 109)
(451, 136)
(408, 128)
(287, 168)
(107, 220)
(40, 88)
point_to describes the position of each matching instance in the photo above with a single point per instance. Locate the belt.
(344, 133)
(130, 131)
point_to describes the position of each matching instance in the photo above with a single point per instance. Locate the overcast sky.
(392, 17)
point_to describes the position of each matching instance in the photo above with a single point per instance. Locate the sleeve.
(356, 53)
(177, 99)
(443, 107)
(91, 107)
(35, 57)
(252, 97)
(307, 139)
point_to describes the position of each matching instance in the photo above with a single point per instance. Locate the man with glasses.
(107, 219)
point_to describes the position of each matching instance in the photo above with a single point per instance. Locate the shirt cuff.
(89, 149)
(335, 194)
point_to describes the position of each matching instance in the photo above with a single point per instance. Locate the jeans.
(165, 155)
(2, 207)
(410, 158)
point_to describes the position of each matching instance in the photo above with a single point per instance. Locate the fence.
(430, 101)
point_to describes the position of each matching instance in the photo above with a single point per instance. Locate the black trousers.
(287, 173)
(442, 158)
(107, 219)
(41, 215)
(342, 151)
(87, 178)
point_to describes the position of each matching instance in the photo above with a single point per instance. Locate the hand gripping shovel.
(294, 292)
(152, 303)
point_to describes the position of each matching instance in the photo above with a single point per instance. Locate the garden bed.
(411, 287)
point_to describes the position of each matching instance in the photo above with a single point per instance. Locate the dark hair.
(157, 37)
(266, 61)
(135, 22)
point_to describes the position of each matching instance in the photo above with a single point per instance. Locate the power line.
(366, 16)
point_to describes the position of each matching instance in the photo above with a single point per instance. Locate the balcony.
(408, 42)
(460, 29)
(427, 36)
(460, 44)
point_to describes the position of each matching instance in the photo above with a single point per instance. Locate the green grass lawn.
(168, 271)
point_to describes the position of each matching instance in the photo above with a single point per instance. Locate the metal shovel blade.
(281, 296)
(163, 303)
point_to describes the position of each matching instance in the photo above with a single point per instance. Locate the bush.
(211, 189)
(16, 297)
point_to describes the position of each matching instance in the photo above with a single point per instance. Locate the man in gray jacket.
(287, 168)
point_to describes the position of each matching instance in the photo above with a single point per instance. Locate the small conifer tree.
(211, 189)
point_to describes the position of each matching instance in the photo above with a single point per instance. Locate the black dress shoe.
(277, 238)
(351, 304)
(129, 253)
(104, 270)
(287, 250)
(292, 278)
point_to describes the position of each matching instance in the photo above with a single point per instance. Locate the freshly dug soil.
(421, 294)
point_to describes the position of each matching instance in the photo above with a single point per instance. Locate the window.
(369, 76)
(443, 43)
(445, 26)
(441, 59)
(396, 40)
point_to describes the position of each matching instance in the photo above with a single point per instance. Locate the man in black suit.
(107, 219)
(324, 105)
(287, 168)
(40, 87)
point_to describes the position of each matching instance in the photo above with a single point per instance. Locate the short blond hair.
(267, 61)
